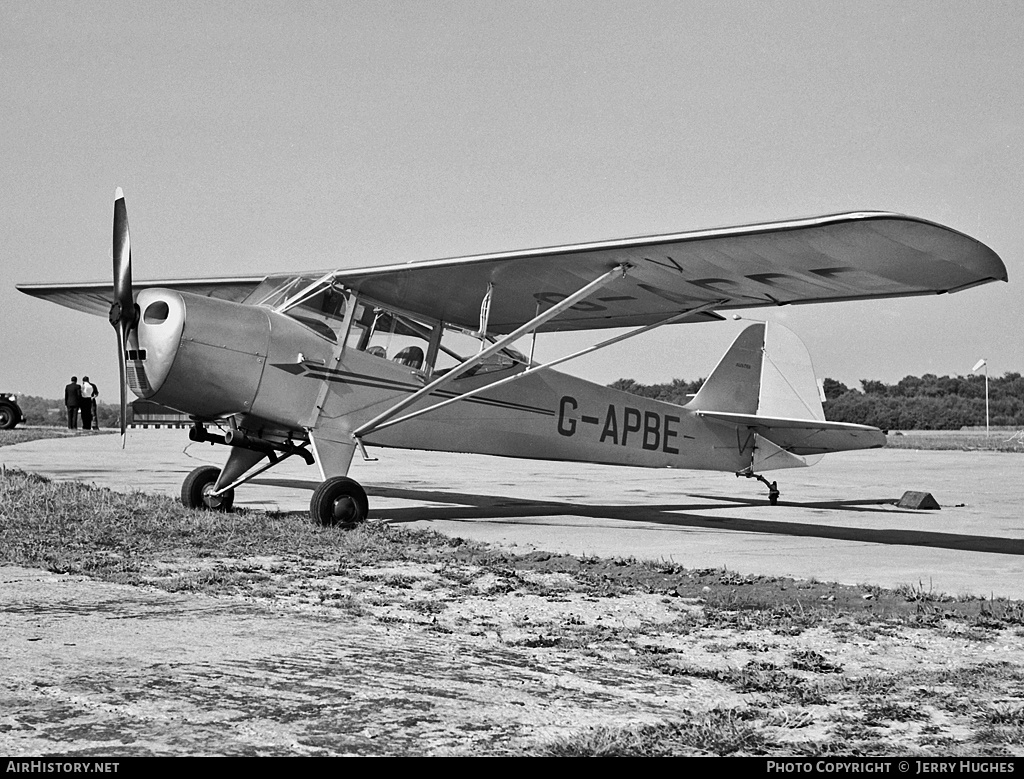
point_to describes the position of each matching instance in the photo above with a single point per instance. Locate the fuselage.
(214, 359)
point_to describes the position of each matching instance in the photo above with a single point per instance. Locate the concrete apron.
(834, 522)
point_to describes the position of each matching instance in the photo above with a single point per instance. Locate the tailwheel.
(773, 486)
(196, 489)
(339, 501)
(773, 489)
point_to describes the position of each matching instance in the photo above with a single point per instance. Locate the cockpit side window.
(423, 346)
(395, 337)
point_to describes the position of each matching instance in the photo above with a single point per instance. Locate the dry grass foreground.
(167, 631)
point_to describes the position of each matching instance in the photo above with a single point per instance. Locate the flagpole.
(984, 362)
(986, 398)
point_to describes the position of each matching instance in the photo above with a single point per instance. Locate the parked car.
(10, 411)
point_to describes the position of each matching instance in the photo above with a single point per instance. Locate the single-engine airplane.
(420, 355)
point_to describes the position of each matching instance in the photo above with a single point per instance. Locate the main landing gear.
(338, 502)
(773, 486)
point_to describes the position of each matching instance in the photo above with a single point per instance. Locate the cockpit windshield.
(306, 299)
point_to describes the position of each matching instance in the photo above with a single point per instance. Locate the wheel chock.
(918, 500)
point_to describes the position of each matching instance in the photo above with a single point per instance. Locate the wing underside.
(844, 257)
(95, 297)
(853, 256)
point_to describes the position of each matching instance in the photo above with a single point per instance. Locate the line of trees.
(44, 411)
(927, 402)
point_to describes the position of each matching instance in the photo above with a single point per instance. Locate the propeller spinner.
(124, 314)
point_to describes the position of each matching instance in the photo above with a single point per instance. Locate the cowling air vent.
(136, 372)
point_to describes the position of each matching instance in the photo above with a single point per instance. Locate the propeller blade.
(123, 313)
(122, 343)
(123, 298)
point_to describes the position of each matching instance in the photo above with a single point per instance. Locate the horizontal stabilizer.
(805, 436)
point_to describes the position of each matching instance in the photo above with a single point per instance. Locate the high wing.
(831, 258)
(851, 256)
(95, 297)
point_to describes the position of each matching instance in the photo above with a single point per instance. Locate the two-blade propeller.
(124, 314)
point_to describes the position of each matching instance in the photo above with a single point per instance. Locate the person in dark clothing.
(88, 403)
(72, 399)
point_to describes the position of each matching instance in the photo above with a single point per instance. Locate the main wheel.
(339, 501)
(8, 417)
(196, 489)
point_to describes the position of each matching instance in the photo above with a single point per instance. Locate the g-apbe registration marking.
(627, 426)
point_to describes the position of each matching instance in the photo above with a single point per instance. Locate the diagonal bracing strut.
(497, 346)
(535, 368)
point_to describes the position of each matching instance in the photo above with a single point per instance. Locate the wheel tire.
(195, 490)
(8, 417)
(339, 502)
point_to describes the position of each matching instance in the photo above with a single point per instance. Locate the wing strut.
(534, 368)
(501, 343)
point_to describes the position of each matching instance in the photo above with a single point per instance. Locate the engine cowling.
(199, 355)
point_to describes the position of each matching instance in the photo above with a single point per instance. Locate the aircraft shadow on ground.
(464, 507)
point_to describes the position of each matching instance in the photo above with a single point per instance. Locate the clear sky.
(271, 136)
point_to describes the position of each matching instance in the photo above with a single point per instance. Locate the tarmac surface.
(834, 522)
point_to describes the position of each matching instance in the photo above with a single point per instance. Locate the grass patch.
(69, 527)
(716, 732)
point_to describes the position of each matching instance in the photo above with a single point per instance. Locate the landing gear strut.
(773, 487)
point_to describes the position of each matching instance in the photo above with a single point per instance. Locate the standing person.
(95, 406)
(72, 399)
(88, 403)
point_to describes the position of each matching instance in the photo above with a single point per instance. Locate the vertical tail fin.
(767, 371)
(734, 384)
